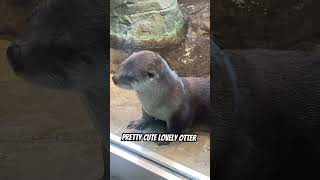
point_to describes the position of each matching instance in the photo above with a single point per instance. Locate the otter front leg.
(175, 125)
(142, 122)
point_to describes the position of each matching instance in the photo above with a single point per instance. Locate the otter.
(64, 47)
(178, 101)
(265, 113)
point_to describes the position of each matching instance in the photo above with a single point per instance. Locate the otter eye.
(150, 75)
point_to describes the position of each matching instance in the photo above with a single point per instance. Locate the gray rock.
(146, 23)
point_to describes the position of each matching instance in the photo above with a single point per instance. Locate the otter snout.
(121, 81)
(115, 79)
(14, 57)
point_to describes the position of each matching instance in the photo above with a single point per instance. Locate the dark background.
(276, 24)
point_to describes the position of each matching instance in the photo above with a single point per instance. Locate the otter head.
(63, 45)
(140, 71)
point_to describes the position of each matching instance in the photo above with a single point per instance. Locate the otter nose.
(115, 79)
(14, 57)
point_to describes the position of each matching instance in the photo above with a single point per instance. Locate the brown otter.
(162, 93)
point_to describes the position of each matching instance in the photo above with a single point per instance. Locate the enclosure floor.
(124, 107)
(44, 134)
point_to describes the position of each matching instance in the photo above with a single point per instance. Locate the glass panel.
(160, 26)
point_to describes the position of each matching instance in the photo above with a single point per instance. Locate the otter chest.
(159, 111)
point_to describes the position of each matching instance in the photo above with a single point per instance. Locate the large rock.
(13, 15)
(146, 23)
(280, 24)
(192, 56)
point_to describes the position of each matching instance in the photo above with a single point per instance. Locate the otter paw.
(138, 124)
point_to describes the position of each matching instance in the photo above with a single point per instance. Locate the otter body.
(162, 93)
(163, 102)
(266, 114)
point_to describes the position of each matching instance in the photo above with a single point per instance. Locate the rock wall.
(279, 24)
(192, 56)
(146, 23)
